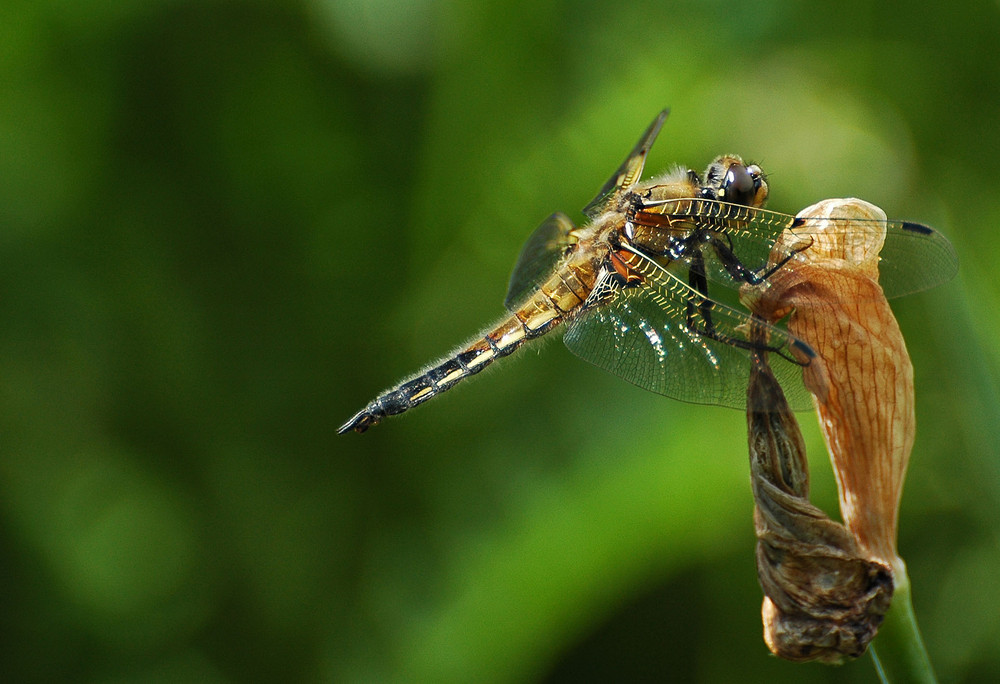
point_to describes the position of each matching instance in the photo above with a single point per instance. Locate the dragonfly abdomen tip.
(359, 422)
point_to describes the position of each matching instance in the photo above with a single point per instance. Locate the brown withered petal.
(862, 379)
(823, 599)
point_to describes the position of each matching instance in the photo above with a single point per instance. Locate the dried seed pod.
(823, 599)
(827, 588)
(862, 378)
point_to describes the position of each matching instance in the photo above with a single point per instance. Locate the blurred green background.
(225, 226)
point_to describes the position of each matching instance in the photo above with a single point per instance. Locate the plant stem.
(900, 656)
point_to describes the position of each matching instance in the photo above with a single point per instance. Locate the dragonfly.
(630, 287)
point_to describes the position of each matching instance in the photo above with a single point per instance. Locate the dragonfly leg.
(702, 309)
(769, 272)
(736, 268)
(711, 333)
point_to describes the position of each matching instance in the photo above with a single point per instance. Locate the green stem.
(900, 657)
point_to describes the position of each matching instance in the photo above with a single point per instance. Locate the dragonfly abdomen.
(537, 316)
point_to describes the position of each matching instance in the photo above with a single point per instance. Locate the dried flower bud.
(827, 586)
(862, 379)
(823, 599)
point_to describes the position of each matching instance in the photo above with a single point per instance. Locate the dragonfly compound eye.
(740, 186)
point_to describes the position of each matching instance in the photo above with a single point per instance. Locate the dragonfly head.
(730, 180)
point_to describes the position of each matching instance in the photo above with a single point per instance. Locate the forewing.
(538, 257)
(914, 257)
(641, 334)
(628, 173)
(747, 231)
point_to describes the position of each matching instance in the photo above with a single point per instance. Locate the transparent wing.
(539, 256)
(641, 334)
(914, 257)
(628, 173)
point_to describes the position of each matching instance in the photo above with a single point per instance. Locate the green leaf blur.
(226, 226)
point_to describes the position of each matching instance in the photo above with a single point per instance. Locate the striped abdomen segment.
(563, 292)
